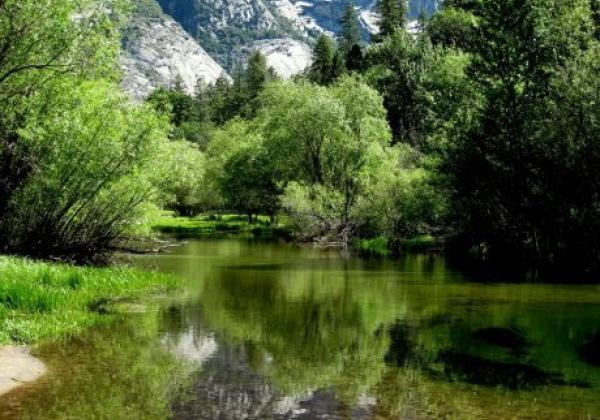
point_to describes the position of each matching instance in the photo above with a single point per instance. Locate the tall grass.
(41, 300)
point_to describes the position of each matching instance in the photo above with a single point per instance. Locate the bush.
(98, 162)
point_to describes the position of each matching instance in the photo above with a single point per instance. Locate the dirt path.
(18, 366)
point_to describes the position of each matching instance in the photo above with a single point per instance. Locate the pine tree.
(355, 59)
(393, 17)
(338, 65)
(321, 68)
(257, 74)
(350, 34)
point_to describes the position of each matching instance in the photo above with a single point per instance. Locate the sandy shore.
(18, 366)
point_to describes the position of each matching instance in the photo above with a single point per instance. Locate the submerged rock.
(479, 371)
(503, 337)
(17, 367)
(590, 351)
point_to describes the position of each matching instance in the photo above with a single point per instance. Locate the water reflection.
(278, 331)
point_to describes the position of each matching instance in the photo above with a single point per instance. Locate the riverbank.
(42, 301)
(261, 226)
(203, 225)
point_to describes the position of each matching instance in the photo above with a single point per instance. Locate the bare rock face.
(286, 56)
(157, 51)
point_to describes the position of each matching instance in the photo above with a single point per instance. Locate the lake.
(267, 329)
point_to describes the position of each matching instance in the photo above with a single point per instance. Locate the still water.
(275, 330)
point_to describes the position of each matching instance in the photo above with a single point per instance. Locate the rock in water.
(17, 367)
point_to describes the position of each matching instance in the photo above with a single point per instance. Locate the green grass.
(40, 301)
(209, 225)
(375, 246)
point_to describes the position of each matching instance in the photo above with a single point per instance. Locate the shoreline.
(18, 367)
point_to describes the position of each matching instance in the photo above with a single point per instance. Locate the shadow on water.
(510, 339)
(402, 347)
(590, 351)
(479, 371)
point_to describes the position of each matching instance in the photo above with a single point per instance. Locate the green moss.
(40, 301)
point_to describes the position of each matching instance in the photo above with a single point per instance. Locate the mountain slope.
(230, 29)
(156, 51)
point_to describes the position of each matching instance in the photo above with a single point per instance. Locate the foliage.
(321, 69)
(39, 45)
(95, 166)
(329, 156)
(514, 171)
(453, 28)
(202, 225)
(350, 35)
(398, 68)
(393, 17)
(402, 198)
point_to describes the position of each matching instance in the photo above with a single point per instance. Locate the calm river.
(275, 330)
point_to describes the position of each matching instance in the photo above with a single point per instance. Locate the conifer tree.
(257, 74)
(350, 35)
(338, 65)
(355, 59)
(321, 68)
(393, 17)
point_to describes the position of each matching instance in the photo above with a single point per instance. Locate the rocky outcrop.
(156, 51)
(286, 56)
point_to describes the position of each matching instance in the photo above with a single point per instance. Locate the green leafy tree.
(40, 45)
(256, 76)
(506, 168)
(99, 162)
(453, 27)
(323, 140)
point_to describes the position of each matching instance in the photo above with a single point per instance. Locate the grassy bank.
(225, 224)
(40, 301)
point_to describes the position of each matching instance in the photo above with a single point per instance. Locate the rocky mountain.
(230, 29)
(157, 50)
(203, 38)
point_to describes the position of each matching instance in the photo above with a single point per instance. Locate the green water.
(274, 330)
